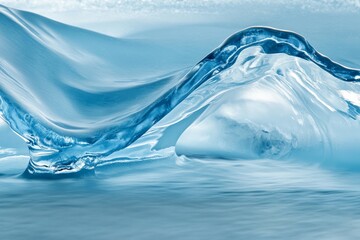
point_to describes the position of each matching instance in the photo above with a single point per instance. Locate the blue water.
(198, 200)
(158, 136)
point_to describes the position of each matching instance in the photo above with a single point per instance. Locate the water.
(207, 199)
(134, 140)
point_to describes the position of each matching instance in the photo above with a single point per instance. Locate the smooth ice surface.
(283, 107)
(270, 144)
(107, 103)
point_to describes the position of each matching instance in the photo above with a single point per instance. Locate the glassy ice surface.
(260, 144)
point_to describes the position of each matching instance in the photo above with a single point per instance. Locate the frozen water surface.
(260, 143)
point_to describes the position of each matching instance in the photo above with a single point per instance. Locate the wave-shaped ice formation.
(262, 93)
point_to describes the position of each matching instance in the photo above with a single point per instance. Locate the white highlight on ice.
(351, 96)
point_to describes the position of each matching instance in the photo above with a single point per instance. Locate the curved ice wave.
(67, 93)
(283, 107)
